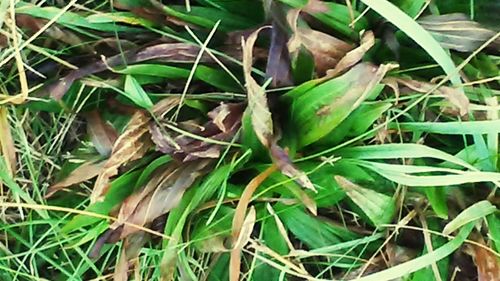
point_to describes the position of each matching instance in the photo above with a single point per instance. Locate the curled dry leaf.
(84, 172)
(223, 126)
(353, 56)
(101, 133)
(326, 49)
(457, 32)
(131, 145)
(285, 165)
(6, 142)
(257, 101)
(453, 95)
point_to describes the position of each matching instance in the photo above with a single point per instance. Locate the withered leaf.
(326, 49)
(84, 172)
(130, 250)
(353, 56)
(132, 144)
(225, 122)
(453, 95)
(158, 197)
(457, 32)
(8, 150)
(488, 266)
(257, 101)
(285, 165)
(278, 62)
(101, 133)
(315, 6)
(172, 52)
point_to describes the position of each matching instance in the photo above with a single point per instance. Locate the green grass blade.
(423, 38)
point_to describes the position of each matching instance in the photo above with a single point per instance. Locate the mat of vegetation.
(249, 140)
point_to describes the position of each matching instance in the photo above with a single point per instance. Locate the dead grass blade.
(6, 142)
(86, 171)
(238, 220)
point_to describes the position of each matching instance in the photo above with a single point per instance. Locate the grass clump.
(249, 140)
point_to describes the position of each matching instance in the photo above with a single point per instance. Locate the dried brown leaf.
(457, 32)
(226, 120)
(172, 52)
(257, 101)
(159, 196)
(353, 56)
(132, 144)
(130, 250)
(453, 95)
(6, 142)
(487, 263)
(84, 172)
(284, 163)
(326, 49)
(246, 230)
(278, 61)
(102, 134)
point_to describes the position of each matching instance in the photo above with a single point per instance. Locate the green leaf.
(438, 199)
(422, 261)
(357, 122)
(402, 150)
(378, 207)
(150, 168)
(70, 19)
(318, 111)
(451, 128)
(136, 94)
(403, 174)
(416, 32)
(313, 231)
(211, 76)
(494, 229)
(478, 210)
